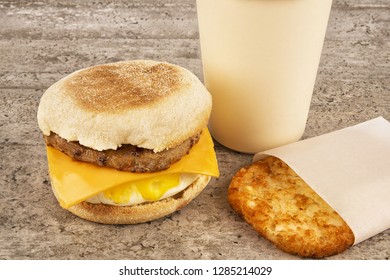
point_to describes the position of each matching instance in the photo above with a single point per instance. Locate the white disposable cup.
(260, 60)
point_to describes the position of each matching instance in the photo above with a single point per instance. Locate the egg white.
(185, 180)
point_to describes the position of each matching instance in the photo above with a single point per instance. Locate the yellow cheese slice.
(73, 181)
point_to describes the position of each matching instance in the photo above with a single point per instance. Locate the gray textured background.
(40, 42)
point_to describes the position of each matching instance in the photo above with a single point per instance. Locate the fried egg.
(147, 190)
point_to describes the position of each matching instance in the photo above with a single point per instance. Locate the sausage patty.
(125, 158)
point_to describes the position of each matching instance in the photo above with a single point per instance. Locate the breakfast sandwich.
(127, 142)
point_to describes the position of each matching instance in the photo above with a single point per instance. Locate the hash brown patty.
(282, 208)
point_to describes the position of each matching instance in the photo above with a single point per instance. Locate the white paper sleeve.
(350, 170)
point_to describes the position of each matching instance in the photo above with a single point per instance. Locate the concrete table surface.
(40, 42)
